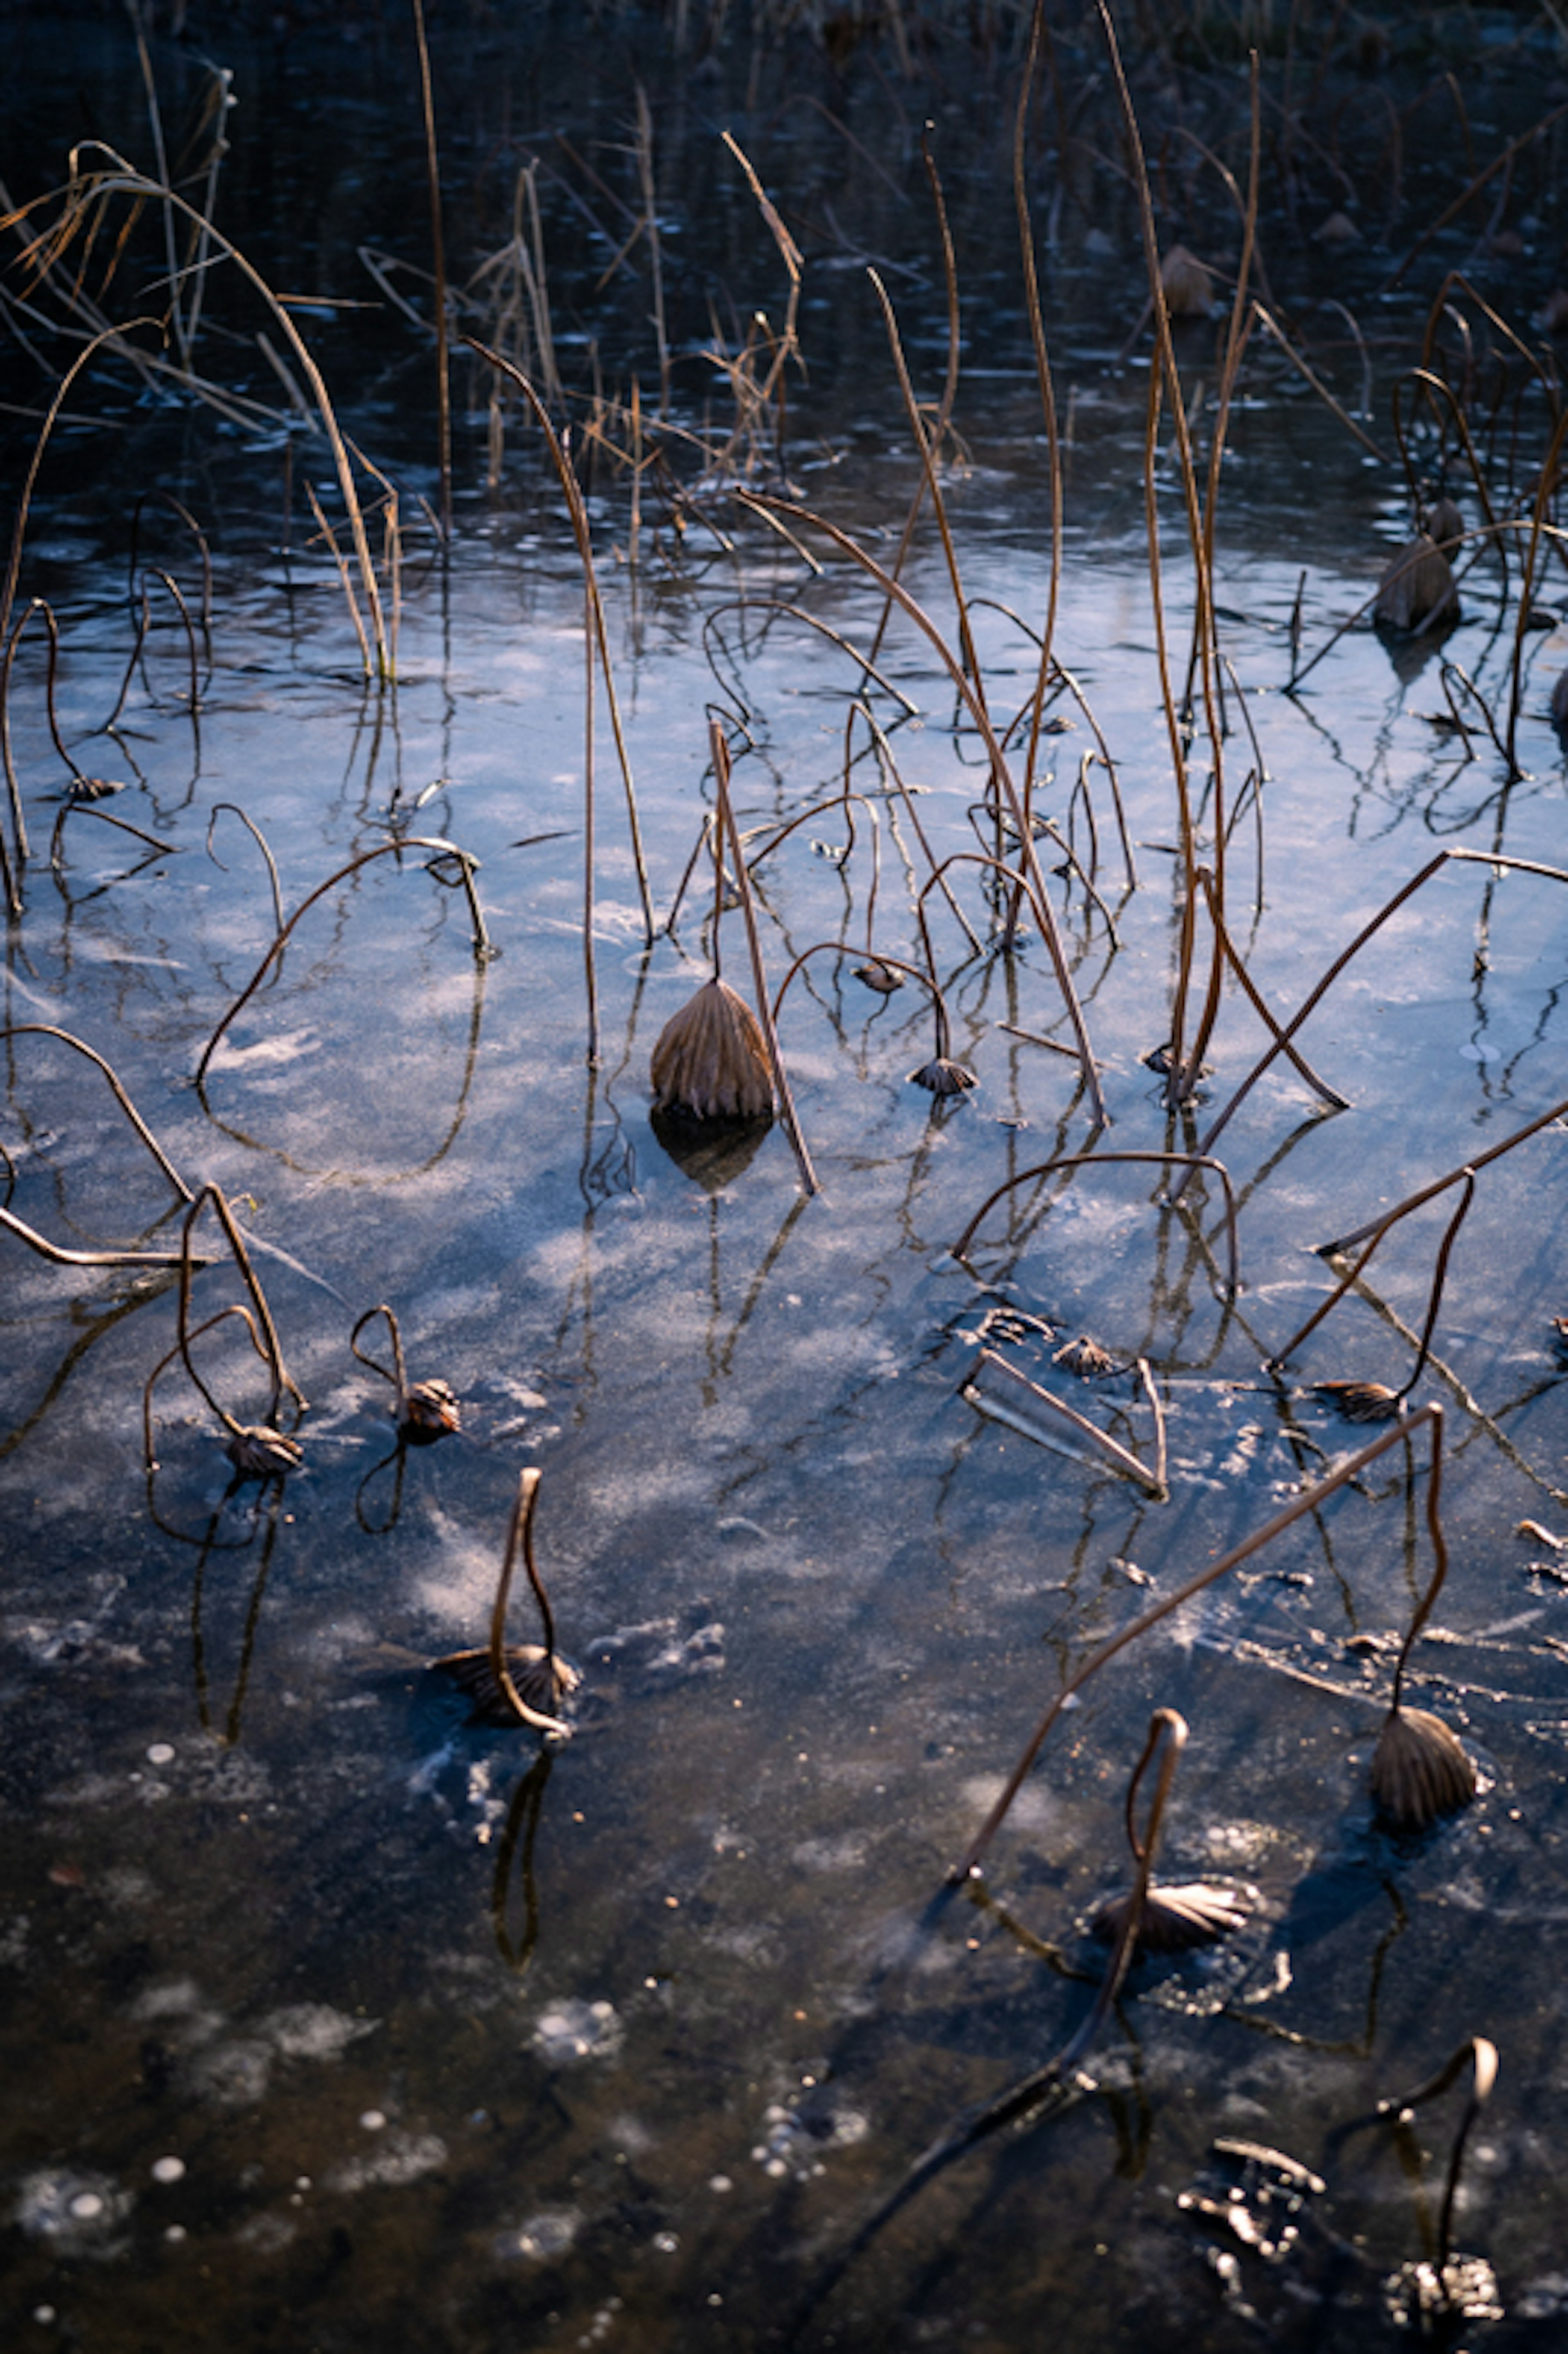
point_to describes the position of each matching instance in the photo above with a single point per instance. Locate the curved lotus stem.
(443, 849)
(48, 1030)
(181, 1349)
(1481, 2056)
(281, 1378)
(521, 1534)
(1307, 1502)
(1086, 1160)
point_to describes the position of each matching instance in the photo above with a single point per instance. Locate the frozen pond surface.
(335, 2017)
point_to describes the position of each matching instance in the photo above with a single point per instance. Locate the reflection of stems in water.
(230, 1734)
(1482, 2057)
(1434, 1297)
(400, 1456)
(1378, 1227)
(1087, 1160)
(48, 1030)
(395, 1176)
(522, 1823)
(1282, 1038)
(1306, 1503)
(1051, 2087)
(74, 1356)
(442, 848)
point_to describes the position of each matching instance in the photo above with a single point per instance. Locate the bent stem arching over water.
(1308, 1501)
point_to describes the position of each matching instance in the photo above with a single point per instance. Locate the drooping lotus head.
(710, 1062)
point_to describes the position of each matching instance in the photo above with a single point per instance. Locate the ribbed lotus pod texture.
(1420, 1770)
(1176, 1919)
(711, 1062)
(432, 1408)
(1187, 283)
(261, 1453)
(1417, 590)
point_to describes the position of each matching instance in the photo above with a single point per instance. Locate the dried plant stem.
(181, 1349)
(1439, 1276)
(281, 1378)
(260, 839)
(1046, 384)
(521, 1534)
(63, 1258)
(719, 752)
(1184, 1064)
(1282, 1038)
(923, 442)
(1440, 1184)
(1307, 1502)
(1298, 1062)
(122, 179)
(481, 947)
(1122, 1457)
(48, 1030)
(999, 770)
(1482, 2057)
(439, 257)
(572, 492)
(1101, 1159)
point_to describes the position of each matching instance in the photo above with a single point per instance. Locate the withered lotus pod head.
(543, 1682)
(430, 1408)
(1087, 1358)
(944, 1076)
(1420, 1770)
(710, 1062)
(259, 1453)
(1417, 591)
(880, 977)
(1187, 283)
(1445, 522)
(1360, 1401)
(1176, 1919)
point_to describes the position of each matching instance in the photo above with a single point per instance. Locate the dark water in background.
(335, 2018)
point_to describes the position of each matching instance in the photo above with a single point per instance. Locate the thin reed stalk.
(571, 491)
(719, 752)
(439, 257)
(1000, 770)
